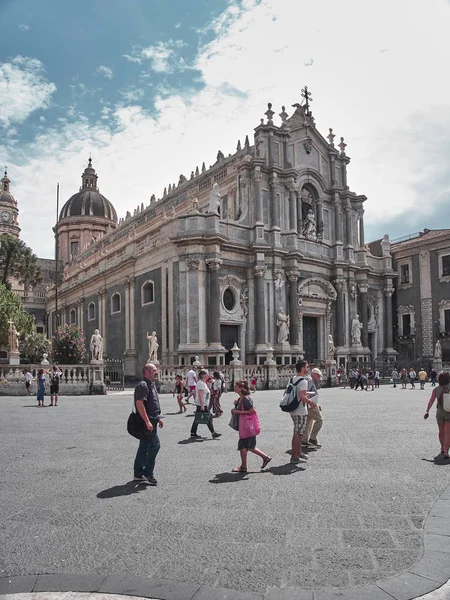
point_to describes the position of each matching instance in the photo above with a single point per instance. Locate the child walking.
(179, 391)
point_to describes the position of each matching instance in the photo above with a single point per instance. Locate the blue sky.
(153, 88)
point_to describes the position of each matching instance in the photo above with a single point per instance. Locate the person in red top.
(442, 416)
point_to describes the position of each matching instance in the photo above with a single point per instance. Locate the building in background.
(264, 249)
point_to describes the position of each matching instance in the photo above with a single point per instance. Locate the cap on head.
(316, 371)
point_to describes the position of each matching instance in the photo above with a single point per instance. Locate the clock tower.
(8, 209)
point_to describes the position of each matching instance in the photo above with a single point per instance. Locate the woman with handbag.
(442, 394)
(202, 414)
(248, 427)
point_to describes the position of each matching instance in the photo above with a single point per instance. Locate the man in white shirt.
(377, 378)
(300, 414)
(191, 383)
(28, 379)
(314, 421)
(202, 402)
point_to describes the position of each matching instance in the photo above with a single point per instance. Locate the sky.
(153, 88)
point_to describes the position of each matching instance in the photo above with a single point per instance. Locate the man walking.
(314, 420)
(422, 378)
(377, 378)
(147, 406)
(299, 415)
(412, 378)
(394, 377)
(191, 383)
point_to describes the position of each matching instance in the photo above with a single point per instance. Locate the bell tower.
(9, 212)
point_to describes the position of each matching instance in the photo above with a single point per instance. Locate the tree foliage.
(34, 345)
(68, 345)
(17, 261)
(11, 308)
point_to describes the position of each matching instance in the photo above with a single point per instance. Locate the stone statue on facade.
(283, 322)
(195, 205)
(356, 331)
(331, 347)
(438, 350)
(13, 338)
(96, 346)
(386, 245)
(152, 347)
(309, 228)
(214, 199)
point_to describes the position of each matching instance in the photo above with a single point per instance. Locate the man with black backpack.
(147, 406)
(300, 414)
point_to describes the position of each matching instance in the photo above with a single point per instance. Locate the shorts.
(54, 388)
(192, 388)
(248, 443)
(27, 385)
(299, 423)
(442, 416)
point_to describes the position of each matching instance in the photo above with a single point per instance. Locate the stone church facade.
(265, 249)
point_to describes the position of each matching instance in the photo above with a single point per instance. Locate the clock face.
(6, 217)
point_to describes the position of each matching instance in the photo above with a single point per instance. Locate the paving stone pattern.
(353, 515)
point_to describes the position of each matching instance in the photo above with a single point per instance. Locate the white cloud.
(132, 94)
(163, 56)
(105, 71)
(24, 27)
(397, 134)
(24, 88)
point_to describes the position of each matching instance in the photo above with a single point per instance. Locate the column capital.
(260, 270)
(129, 281)
(363, 288)
(213, 264)
(339, 284)
(388, 292)
(257, 175)
(101, 292)
(193, 264)
(293, 275)
(275, 182)
(80, 301)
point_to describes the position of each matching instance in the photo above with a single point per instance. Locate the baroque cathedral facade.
(265, 249)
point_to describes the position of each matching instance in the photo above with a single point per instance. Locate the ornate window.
(115, 303)
(73, 316)
(229, 299)
(91, 311)
(444, 316)
(405, 273)
(444, 265)
(406, 320)
(148, 293)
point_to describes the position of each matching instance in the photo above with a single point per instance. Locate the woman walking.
(244, 407)
(179, 391)
(442, 416)
(41, 387)
(202, 395)
(216, 393)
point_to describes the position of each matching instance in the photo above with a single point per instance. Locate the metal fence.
(114, 374)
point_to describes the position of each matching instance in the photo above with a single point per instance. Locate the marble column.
(293, 308)
(364, 316)
(348, 227)
(275, 202)
(292, 209)
(127, 313)
(299, 213)
(319, 220)
(260, 305)
(213, 265)
(132, 315)
(257, 176)
(361, 229)
(389, 334)
(340, 317)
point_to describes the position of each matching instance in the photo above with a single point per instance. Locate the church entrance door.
(310, 338)
(229, 335)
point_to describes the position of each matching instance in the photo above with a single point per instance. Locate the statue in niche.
(331, 347)
(214, 199)
(438, 350)
(356, 331)
(96, 346)
(152, 347)
(309, 227)
(306, 196)
(283, 323)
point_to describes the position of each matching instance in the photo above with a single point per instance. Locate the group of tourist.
(365, 379)
(306, 417)
(54, 376)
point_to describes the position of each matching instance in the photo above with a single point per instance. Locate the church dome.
(88, 202)
(5, 195)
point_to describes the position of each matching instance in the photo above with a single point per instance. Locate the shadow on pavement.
(132, 487)
(195, 440)
(30, 406)
(229, 477)
(286, 469)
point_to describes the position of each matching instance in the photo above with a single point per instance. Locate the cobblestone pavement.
(352, 515)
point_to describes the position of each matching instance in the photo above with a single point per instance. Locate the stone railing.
(76, 380)
(274, 377)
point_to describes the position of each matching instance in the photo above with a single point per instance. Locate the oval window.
(228, 299)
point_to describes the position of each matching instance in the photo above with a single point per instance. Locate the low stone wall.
(77, 380)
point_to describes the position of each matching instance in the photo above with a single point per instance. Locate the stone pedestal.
(437, 364)
(98, 386)
(129, 363)
(330, 366)
(14, 357)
